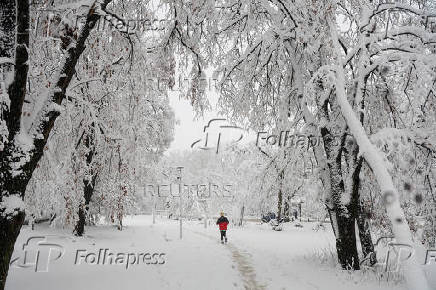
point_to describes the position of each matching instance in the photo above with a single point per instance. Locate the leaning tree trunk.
(414, 273)
(332, 181)
(18, 162)
(7, 41)
(9, 229)
(14, 20)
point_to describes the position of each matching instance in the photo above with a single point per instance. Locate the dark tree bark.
(241, 219)
(14, 182)
(342, 217)
(7, 24)
(281, 176)
(88, 188)
(363, 224)
(286, 208)
(280, 195)
(346, 242)
(362, 217)
(9, 230)
(11, 183)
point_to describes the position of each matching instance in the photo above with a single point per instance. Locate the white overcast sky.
(188, 129)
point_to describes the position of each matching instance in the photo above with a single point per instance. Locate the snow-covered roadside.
(295, 258)
(194, 263)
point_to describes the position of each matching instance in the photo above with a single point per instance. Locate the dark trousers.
(223, 235)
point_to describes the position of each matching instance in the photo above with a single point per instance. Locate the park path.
(242, 260)
(191, 263)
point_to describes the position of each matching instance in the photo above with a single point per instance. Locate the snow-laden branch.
(420, 136)
(414, 274)
(79, 83)
(42, 124)
(6, 60)
(310, 119)
(396, 6)
(17, 89)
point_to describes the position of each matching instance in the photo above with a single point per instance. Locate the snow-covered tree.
(328, 63)
(49, 63)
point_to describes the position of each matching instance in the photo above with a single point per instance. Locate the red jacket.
(222, 222)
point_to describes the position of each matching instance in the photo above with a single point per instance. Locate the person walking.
(223, 222)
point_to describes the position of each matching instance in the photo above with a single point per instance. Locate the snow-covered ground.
(296, 258)
(191, 263)
(255, 258)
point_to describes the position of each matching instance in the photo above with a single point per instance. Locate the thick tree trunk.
(84, 208)
(359, 211)
(343, 223)
(14, 27)
(88, 189)
(414, 273)
(13, 183)
(363, 224)
(79, 229)
(346, 242)
(341, 215)
(9, 229)
(7, 24)
(286, 209)
(331, 179)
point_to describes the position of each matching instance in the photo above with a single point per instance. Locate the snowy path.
(296, 258)
(192, 263)
(255, 258)
(245, 269)
(244, 265)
